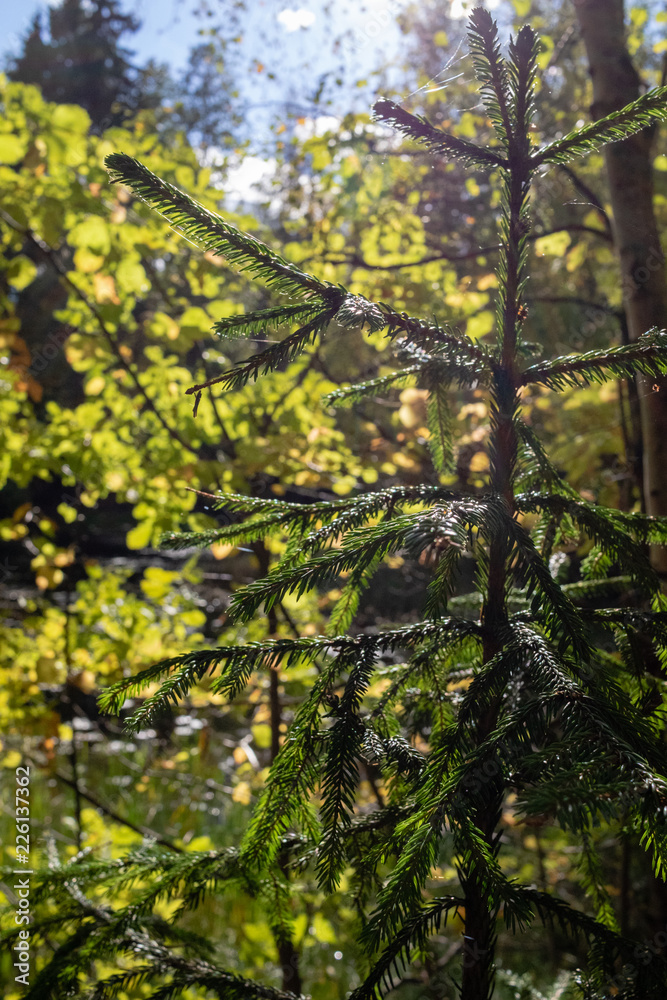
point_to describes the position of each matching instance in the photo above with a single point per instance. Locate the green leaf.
(140, 536)
(12, 147)
(21, 272)
(93, 234)
(70, 118)
(553, 245)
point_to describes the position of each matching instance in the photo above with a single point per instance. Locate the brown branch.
(588, 193)
(577, 301)
(111, 813)
(574, 228)
(356, 260)
(270, 415)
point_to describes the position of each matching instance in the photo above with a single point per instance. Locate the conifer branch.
(183, 672)
(209, 231)
(439, 420)
(558, 613)
(451, 345)
(616, 531)
(586, 590)
(420, 129)
(269, 516)
(256, 323)
(646, 356)
(349, 394)
(522, 72)
(543, 468)
(242, 531)
(491, 72)
(340, 772)
(634, 117)
(357, 312)
(345, 608)
(363, 543)
(412, 937)
(273, 357)
(434, 369)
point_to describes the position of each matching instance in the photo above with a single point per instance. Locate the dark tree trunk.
(630, 175)
(288, 954)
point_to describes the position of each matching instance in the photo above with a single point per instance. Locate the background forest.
(106, 318)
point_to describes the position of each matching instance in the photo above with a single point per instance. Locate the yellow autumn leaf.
(64, 558)
(242, 793)
(479, 462)
(84, 680)
(413, 411)
(221, 550)
(262, 735)
(105, 289)
(553, 245)
(11, 760)
(95, 385)
(114, 481)
(48, 577)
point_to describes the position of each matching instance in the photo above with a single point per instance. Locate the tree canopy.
(79, 59)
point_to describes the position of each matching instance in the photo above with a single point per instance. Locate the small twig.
(574, 228)
(139, 942)
(112, 814)
(577, 301)
(228, 445)
(50, 256)
(356, 260)
(588, 193)
(206, 385)
(269, 416)
(567, 36)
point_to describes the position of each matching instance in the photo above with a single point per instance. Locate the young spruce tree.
(545, 712)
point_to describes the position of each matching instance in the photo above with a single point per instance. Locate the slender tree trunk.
(288, 954)
(477, 981)
(630, 176)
